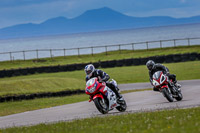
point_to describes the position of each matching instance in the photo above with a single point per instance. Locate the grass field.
(8, 108)
(114, 55)
(167, 121)
(52, 82)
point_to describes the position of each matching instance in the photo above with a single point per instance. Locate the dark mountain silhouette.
(91, 21)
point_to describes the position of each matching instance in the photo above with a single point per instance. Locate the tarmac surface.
(136, 101)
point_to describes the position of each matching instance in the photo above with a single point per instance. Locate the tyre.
(101, 105)
(179, 96)
(168, 95)
(122, 107)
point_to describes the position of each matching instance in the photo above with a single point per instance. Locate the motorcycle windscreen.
(90, 82)
(156, 75)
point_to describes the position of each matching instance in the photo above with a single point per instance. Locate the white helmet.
(89, 69)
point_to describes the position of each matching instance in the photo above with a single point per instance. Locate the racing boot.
(120, 99)
(178, 86)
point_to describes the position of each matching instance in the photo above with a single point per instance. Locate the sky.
(14, 12)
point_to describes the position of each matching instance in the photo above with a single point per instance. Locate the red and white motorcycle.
(104, 98)
(166, 86)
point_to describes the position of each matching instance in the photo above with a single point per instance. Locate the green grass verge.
(8, 108)
(39, 84)
(53, 82)
(167, 121)
(113, 55)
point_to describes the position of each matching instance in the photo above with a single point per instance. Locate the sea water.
(105, 38)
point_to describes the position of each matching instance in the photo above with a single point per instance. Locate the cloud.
(172, 12)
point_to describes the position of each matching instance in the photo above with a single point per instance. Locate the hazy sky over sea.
(36, 11)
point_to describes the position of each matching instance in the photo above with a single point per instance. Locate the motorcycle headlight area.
(155, 83)
(91, 90)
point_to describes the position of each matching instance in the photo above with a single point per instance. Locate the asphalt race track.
(136, 101)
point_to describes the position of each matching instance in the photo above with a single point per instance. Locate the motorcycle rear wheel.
(101, 106)
(122, 107)
(167, 94)
(180, 96)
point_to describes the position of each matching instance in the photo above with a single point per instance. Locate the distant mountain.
(91, 21)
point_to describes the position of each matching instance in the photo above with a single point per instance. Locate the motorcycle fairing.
(111, 96)
(97, 95)
(158, 78)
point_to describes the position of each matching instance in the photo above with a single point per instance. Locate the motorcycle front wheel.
(101, 105)
(167, 94)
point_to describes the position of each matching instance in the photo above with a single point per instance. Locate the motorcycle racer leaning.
(153, 67)
(91, 72)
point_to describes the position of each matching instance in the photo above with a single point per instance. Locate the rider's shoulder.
(98, 71)
(158, 65)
